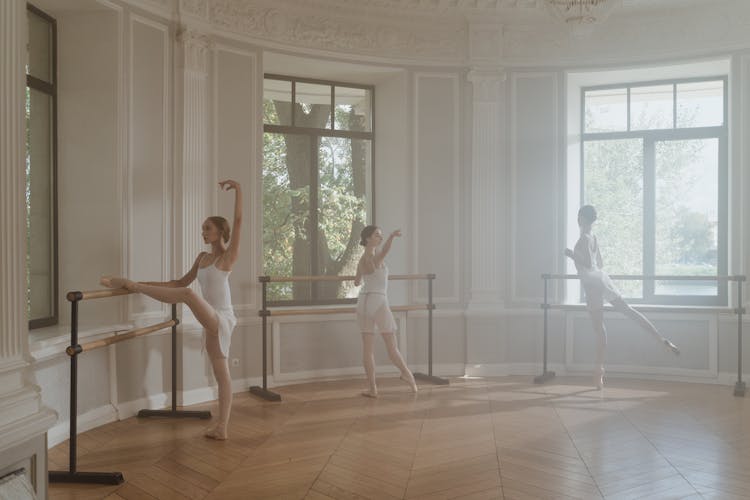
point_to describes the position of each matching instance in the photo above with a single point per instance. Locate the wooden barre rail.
(649, 307)
(97, 294)
(650, 277)
(285, 279)
(338, 310)
(130, 334)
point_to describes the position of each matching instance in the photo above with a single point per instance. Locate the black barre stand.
(429, 377)
(546, 374)
(72, 475)
(264, 313)
(174, 412)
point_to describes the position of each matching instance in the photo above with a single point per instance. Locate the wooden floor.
(477, 439)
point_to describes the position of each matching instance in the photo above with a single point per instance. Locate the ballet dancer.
(373, 309)
(214, 309)
(599, 287)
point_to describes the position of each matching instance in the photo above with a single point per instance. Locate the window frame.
(314, 134)
(50, 89)
(650, 138)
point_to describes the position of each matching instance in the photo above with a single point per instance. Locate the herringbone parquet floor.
(475, 439)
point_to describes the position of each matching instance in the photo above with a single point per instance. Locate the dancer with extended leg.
(373, 309)
(599, 287)
(214, 309)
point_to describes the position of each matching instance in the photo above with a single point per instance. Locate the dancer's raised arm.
(380, 256)
(233, 250)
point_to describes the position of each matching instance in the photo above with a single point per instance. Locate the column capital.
(195, 46)
(486, 82)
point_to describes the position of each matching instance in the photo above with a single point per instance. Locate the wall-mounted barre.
(75, 349)
(739, 387)
(265, 313)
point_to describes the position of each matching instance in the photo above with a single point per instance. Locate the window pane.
(352, 109)
(613, 183)
(39, 205)
(687, 201)
(700, 104)
(344, 166)
(606, 110)
(286, 213)
(277, 102)
(651, 107)
(39, 48)
(313, 105)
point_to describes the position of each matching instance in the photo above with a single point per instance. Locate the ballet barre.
(265, 313)
(72, 475)
(739, 387)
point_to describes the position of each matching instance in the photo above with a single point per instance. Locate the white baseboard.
(89, 420)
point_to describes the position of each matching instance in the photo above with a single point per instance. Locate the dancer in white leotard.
(373, 311)
(214, 309)
(599, 287)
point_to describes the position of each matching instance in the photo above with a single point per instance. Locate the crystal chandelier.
(577, 11)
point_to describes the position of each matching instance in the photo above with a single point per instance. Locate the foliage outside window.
(654, 166)
(40, 166)
(317, 184)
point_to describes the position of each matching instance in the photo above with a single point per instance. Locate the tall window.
(317, 184)
(654, 164)
(41, 186)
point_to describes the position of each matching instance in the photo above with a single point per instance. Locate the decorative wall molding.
(455, 200)
(554, 168)
(294, 24)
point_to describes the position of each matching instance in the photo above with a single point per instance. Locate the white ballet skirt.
(215, 289)
(373, 309)
(596, 283)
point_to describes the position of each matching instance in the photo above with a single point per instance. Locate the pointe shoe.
(599, 379)
(669, 345)
(216, 433)
(370, 394)
(412, 383)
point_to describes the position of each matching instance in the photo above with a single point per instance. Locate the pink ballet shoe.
(370, 394)
(669, 345)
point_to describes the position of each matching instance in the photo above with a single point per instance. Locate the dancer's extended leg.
(201, 309)
(224, 381)
(639, 318)
(597, 322)
(398, 361)
(368, 359)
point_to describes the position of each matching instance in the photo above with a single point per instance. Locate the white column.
(487, 190)
(195, 155)
(486, 330)
(23, 419)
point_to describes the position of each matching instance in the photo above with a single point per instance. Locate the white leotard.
(372, 305)
(215, 289)
(596, 283)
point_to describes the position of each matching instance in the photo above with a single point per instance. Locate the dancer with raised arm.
(599, 287)
(214, 309)
(373, 311)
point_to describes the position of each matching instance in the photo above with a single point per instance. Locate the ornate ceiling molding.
(327, 29)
